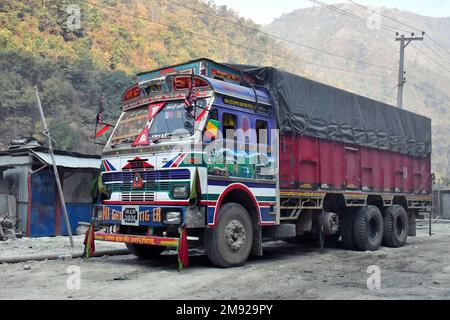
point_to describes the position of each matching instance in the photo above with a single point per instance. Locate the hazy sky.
(264, 11)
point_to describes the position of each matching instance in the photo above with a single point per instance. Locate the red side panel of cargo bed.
(311, 163)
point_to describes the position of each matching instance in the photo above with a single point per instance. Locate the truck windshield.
(173, 120)
(130, 125)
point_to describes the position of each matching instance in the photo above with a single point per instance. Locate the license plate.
(130, 216)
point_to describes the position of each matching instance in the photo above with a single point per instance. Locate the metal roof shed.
(28, 176)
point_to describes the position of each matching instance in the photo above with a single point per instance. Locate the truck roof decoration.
(202, 67)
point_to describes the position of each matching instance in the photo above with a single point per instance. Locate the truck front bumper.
(159, 216)
(132, 239)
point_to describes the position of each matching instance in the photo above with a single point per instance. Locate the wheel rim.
(374, 229)
(235, 235)
(334, 224)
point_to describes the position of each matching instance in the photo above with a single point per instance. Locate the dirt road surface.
(421, 270)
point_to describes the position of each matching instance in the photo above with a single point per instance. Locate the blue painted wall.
(77, 213)
(45, 208)
(43, 205)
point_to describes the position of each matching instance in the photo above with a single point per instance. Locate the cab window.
(262, 132)
(229, 122)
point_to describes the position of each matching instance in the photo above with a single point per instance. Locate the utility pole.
(404, 41)
(55, 167)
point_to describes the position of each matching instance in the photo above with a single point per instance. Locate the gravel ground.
(420, 270)
(49, 245)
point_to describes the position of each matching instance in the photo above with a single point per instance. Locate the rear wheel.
(230, 242)
(395, 226)
(346, 229)
(368, 228)
(145, 251)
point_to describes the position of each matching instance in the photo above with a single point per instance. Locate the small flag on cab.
(89, 241)
(183, 249)
(191, 97)
(99, 118)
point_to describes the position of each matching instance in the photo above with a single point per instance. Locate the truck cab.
(192, 150)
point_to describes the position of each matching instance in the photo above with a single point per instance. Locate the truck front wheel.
(145, 251)
(230, 242)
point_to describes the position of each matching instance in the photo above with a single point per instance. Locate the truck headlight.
(180, 192)
(172, 217)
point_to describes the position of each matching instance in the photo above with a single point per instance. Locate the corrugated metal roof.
(69, 161)
(10, 161)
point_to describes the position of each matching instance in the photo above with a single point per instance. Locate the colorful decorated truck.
(231, 155)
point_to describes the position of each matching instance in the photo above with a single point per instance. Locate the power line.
(355, 16)
(277, 37)
(409, 26)
(382, 27)
(385, 16)
(432, 59)
(386, 28)
(436, 53)
(170, 27)
(437, 44)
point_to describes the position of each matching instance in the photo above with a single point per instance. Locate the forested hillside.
(427, 64)
(117, 39)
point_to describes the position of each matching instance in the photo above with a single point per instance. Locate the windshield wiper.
(127, 140)
(169, 135)
(157, 139)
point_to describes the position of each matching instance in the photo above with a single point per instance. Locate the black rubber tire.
(395, 226)
(346, 228)
(145, 251)
(217, 249)
(368, 229)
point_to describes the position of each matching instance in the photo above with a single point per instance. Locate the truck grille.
(147, 175)
(154, 181)
(138, 196)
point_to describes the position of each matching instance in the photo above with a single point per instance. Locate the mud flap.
(257, 249)
(412, 231)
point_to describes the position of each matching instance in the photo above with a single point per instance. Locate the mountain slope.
(120, 37)
(117, 38)
(428, 84)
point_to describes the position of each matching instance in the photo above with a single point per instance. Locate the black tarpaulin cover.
(310, 108)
